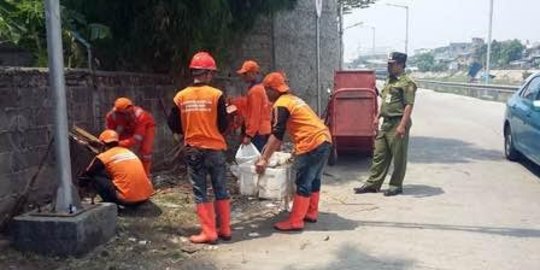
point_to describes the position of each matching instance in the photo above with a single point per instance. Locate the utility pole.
(488, 57)
(406, 24)
(318, 13)
(373, 41)
(67, 201)
(341, 49)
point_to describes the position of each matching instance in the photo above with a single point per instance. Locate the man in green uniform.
(392, 140)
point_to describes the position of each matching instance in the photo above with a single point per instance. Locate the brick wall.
(284, 41)
(26, 121)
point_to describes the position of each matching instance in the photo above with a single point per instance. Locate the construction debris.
(86, 139)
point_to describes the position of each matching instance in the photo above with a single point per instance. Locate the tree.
(511, 51)
(502, 53)
(161, 35)
(349, 5)
(424, 62)
(136, 35)
(23, 24)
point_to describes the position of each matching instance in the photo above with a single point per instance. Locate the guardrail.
(482, 91)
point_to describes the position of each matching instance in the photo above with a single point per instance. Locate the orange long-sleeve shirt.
(131, 131)
(258, 112)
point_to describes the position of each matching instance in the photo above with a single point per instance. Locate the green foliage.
(23, 24)
(161, 35)
(349, 5)
(502, 53)
(424, 61)
(137, 35)
(427, 62)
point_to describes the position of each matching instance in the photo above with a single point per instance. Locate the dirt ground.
(152, 236)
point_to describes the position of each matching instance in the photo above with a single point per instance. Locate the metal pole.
(407, 30)
(406, 24)
(65, 199)
(373, 44)
(317, 26)
(341, 49)
(488, 58)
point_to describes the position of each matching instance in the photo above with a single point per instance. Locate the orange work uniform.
(202, 117)
(306, 129)
(258, 112)
(126, 173)
(137, 130)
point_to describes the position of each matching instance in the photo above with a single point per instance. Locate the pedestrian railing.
(483, 91)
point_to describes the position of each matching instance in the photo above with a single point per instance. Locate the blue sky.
(435, 23)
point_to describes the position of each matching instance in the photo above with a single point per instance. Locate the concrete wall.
(287, 41)
(26, 121)
(284, 41)
(295, 48)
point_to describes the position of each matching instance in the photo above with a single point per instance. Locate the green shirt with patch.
(396, 94)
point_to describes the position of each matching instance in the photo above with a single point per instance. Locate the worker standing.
(312, 145)
(199, 114)
(117, 174)
(258, 109)
(136, 128)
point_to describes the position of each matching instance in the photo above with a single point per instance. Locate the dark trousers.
(309, 169)
(200, 163)
(260, 141)
(388, 148)
(105, 188)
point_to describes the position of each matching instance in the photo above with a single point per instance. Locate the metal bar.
(318, 60)
(488, 58)
(341, 49)
(502, 88)
(65, 195)
(407, 30)
(373, 41)
(471, 86)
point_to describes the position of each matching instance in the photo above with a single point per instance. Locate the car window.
(532, 90)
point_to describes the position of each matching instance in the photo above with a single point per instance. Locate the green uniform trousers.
(389, 147)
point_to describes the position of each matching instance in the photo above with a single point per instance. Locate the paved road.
(464, 206)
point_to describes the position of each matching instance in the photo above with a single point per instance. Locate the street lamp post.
(358, 24)
(67, 200)
(341, 49)
(488, 57)
(373, 41)
(406, 25)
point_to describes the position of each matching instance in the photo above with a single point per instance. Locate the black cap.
(397, 57)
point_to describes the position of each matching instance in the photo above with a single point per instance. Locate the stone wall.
(26, 121)
(286, 41)
(295, 48)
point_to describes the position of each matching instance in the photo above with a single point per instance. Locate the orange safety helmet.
(121, 104)
(108, 136)
(204, 61)
(248, 66)
(276, 81)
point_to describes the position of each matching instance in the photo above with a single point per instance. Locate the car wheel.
(509, 149)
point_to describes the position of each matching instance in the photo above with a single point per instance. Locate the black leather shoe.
(365, 189)
(393, 192)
